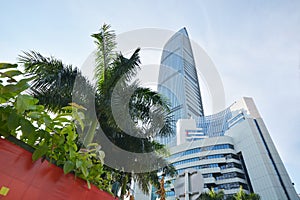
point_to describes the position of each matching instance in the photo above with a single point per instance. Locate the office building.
(232, 148)
(178, 80)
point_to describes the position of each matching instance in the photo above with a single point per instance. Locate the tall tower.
(178, 80)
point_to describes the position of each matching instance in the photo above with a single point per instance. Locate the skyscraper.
(232, 148)
(178, 80)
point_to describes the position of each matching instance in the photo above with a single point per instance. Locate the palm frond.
(54, 81)
(145, 180)
(122, 69)
(105, 55)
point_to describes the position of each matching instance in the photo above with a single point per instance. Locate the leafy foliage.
(147, 109)
(240, 195)
(54, 138)
(212, 195)
(53, 81)
(105, 41)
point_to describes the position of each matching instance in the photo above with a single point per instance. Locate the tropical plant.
(241, 195)
(212, 195)
(113, 75)
(52, 137)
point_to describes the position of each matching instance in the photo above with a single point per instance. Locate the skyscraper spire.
(178, 80)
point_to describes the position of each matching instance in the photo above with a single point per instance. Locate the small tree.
(241, 195)
(212, 195)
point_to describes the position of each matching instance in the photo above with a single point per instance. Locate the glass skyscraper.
(231, 148)
(178, 80)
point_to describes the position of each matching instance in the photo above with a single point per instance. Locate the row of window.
(229, 186)
(190, 139)
(231, 175)
(195, 134)
(194, 131)
(207, 175)
(200, 149)
(231, 165)
(224, 176)
(232, 156)
(226, 186)
(229, 156)
(212, 156)
(186, 161)
(212, 165)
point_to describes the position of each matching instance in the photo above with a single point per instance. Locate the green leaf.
(78, 117)
(78, 163)
(32, 138)
(7, 65)
(25, 102)
(3, 100)
(71, 135)
(13, 121)
(72, 152)
(101, 156)
(15, 89)
(39, 152)
(58, 139)
(11, 73)
(68, 166)
(27, 127)
(34, 115)
(47, 119)
(43, 134)
(12, 89)
(84, 171)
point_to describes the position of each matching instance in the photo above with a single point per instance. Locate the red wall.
(40, 180)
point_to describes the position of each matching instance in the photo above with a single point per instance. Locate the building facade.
(178, 80)
(231, 149)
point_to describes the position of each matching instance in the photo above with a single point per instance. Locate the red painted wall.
(40, 180)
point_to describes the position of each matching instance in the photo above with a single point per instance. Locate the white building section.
(232, 148)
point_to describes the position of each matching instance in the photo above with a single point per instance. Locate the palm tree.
(241, 195)
(53, 86)
(114, 75)
(212, 195)
(253, 196)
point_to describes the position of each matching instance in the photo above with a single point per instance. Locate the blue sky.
(255, 46)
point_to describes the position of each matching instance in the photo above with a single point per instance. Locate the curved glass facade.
(219, 164)
(178, 80)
